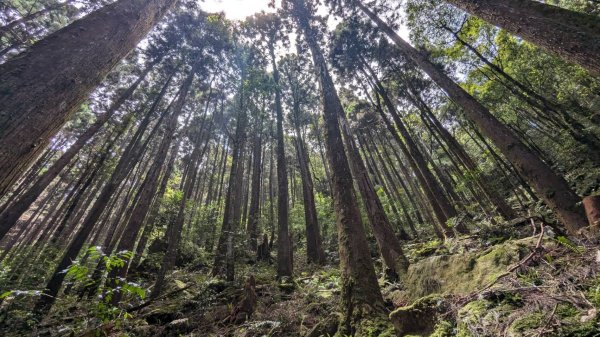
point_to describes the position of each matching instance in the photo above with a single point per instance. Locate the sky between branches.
(240, 9)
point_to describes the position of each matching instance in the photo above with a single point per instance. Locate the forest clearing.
(303, 168)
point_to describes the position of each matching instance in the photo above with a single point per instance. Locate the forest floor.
(493, 284)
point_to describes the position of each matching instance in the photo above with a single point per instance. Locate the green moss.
(418, 318)
(470, 314)
(500, 297)
(378, 326)
(593, 292)
(577, 329)
(566, 310)
(526, 323)
(473, 310)
(461, 274)
(429, 248)
(571, 322)
(443, 329)
(531, 277)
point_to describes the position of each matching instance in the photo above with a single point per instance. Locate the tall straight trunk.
(156, 203)
(428, 200)
(175, 229)
(33, 172)
(9, 217)
(389, 245)
(503, 208)
(53, 286)
(115, 230)
(254, 213)
(424, 176)
(572, 35)
(20, 237)
(315, 122)
(128, 160)
(271, 195)
(392, 190)
(148, 189)
(284, 249)
(441, 204)
(246, 187)
(223, 264)
(314, 246)
(360, 291)
(395, 191)
(458, 169)
(214, 207)
(45, 86)
(552, 188)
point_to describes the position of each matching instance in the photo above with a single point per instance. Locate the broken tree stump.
(592, 210)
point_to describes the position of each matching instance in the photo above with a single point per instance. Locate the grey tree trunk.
(40, 90)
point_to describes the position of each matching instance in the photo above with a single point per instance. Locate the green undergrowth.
(444, 293)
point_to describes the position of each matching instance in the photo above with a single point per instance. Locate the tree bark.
(389, 246)
(126, 163)
(592, 209)
(284, 250)
(553, 189)
(573, 36)
(10, 216)
(254, 213)
(40, 90)
(360, 291)
(314, 246)
(225, 253)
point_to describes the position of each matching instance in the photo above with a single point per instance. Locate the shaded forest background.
(306, 171)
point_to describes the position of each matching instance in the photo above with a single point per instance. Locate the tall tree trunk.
(225, 253)
(391, 191)
(552, 188)
(45, 86)
(254, 213)
(433, 192)
(360, 291)
(503, 208)
(148, 189)
(156, 203)
(389, 245)
(9, 217)
(314, 246)
(284, 249)
(572, 35)
(128, 160)
(174, 229)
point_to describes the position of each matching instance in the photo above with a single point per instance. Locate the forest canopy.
(317, 168)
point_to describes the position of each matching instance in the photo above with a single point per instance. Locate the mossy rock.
(419, 318)
(461, 274)
(378, 326)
